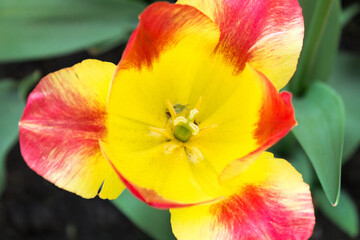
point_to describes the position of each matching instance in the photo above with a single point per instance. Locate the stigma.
(184, 128)
(182, 123)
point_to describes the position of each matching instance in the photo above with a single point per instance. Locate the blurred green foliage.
(324, 147)
(322, 34)
(42, 28)
(345, 79)
(12, 102)
(321, 43)
(152, 221)
(344, 215)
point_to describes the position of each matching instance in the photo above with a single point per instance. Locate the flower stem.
(301, 80)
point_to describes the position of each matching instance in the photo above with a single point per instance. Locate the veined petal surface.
(268, 201)
(180, 66)
(61, 126)
(268, 34)
(251, 120)
(178, 38)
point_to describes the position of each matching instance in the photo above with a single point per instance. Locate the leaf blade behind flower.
(40, 28)
(321, 118)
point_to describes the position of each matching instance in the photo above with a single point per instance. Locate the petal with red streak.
(163, 26)
(181, 67)
(268, 201)
(61, 127)
(268, 34)
(158, 65)
(254, 118)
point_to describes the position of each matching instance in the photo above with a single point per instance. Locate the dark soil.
(33, 209)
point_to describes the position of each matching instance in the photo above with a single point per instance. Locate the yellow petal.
(234, 110)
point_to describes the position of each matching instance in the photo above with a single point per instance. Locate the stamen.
(193, 114)
(205, 130)
(162, 132)
(194, 128)
(208, 128)
(171, 110)
(184, 128)
(193, 154)
(180, 120)
(197, 105)
(197, 151)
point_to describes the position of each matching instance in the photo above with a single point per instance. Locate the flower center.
(182, 126)
(185, 127)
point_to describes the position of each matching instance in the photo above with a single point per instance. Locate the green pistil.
(182, 133)
(184, 127)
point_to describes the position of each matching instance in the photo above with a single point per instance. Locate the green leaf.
(344, 215)
(320, 132)
(346, 80)
(43, 28)
(285, 147)
(105, 46)
(349, 13)
(154, 222)
(329, 45)
(302, 164)
(11, 107)
(323, 56)
(12, 103)
(27, 84)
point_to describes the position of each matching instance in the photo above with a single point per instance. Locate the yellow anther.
(192, 114)
(197, 105)
(171, 110)
(184, 128)
(162, 132)
(180, 120)
(205, 130)
(194, 128)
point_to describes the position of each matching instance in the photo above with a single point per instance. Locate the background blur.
(31, 207)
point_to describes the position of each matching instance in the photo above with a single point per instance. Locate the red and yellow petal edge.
(61, 126)
(274, 34)
(149, 196)
(276, 114)
(277, 118)
(268, 201)
(162, 28)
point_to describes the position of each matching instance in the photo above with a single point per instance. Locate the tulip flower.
(183, 120)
